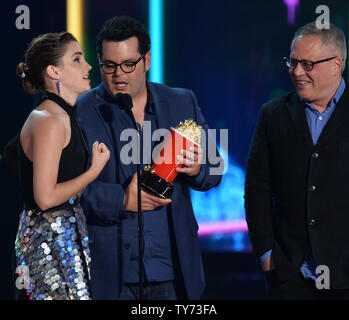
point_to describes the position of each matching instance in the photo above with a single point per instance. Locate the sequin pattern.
(54, 246)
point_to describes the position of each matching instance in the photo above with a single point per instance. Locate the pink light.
(291, 2)
(291, 10)
(209, 228)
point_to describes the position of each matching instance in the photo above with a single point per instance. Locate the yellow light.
(75, 9)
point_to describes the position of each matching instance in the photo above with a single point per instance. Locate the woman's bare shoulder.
(48, 116)
(46, 122)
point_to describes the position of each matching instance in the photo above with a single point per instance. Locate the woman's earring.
(58, 83)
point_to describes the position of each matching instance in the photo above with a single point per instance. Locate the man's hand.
(192, 161)
(268, 264)
(149, 202)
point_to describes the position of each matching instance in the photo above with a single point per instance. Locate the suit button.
(315, 155)
(127, 246)
(312, 188)
(312, 222)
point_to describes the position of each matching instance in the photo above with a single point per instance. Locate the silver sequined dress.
(52, 246)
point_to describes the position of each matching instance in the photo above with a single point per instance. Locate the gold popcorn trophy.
(158, 177)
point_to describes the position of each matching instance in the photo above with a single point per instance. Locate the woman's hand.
(100, 156)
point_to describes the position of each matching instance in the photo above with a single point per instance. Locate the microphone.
(124, 101)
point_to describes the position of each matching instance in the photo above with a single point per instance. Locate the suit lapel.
(338, 117)
(297, 110)
(163, 112)
(108, 112)
(104, 111)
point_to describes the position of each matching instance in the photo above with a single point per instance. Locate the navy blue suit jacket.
(102, 200)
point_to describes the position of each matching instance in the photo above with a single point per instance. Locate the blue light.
(156, 35)
(238, 241)
(225, 202)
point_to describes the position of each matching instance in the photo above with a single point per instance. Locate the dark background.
(228, 52)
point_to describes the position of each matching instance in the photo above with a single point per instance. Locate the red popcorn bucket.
(157, 178)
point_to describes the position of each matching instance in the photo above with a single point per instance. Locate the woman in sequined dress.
(52, 244)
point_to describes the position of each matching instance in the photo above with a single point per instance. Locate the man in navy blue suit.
(172, 264)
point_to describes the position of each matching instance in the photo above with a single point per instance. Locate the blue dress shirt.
(157, 259)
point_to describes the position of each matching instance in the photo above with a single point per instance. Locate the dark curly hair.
(122, 28)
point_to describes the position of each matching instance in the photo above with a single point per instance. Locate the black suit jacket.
(297, 193)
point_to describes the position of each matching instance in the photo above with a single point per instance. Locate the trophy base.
(156, 185)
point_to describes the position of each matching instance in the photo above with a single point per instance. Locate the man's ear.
(338, 65)
(147, 58)
(52, 72)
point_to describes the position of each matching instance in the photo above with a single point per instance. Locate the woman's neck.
(69, 98)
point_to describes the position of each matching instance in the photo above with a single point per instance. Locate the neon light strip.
(156, 35)
(75, 9)
(210, 228)
(291, 10)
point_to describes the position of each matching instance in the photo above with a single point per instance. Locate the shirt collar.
(335, 98)
(339, 92)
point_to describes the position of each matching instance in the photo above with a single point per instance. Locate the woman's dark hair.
(123, 28)
(44, 50)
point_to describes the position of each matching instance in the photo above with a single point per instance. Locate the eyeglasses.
(127, 67)
(306, 64)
